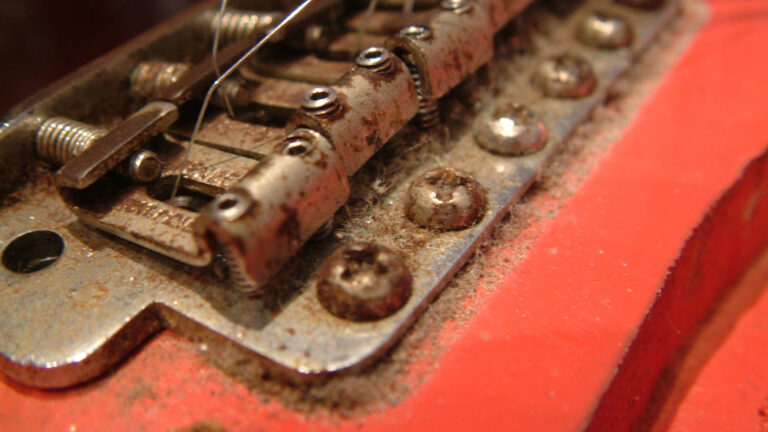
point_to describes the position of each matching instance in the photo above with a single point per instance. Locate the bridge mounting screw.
(564, 76)
(363, 281)
(374, 58)
(320, 100)
(445, 199)
(510, 130)
(603, 30)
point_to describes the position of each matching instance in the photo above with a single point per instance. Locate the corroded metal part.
(101, 316)
(603, 30)
(142, 214)
(108, 150)
(500, 12)
(511, 130)
(237, 24)
(445, 199)
(363, 281)
(374, 104)
(264, 219)
(564, 76)
(60, 139)
(143, 166)
(447, 56)
(149, 79)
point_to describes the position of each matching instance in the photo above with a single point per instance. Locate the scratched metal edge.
(398, 323)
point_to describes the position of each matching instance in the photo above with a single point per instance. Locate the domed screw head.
(603, 30)
(363, 281)
(565, 76)
(511, 130)
(645, 4)
(445, 199)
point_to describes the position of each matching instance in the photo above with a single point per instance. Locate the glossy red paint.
(547, 343)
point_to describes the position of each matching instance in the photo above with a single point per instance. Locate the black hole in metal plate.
(373, 54)
(186, 198)
(33, 251)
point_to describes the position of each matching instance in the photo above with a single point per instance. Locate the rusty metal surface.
(374, 104)
(68, 323)
(447, 57)
(265, 218)
(108, 150)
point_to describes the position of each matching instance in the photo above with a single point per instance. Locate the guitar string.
(209, 94)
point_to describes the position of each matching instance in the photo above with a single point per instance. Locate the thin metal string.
(224, 76)
(408, 6)
(215, 52)
(366, 21)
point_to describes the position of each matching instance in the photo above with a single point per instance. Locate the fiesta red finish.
(545, 345)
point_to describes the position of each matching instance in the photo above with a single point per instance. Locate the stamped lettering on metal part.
(322, 205)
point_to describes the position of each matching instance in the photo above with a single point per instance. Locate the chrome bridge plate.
(104, 296)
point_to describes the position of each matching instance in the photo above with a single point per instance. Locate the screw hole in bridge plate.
(33, 251)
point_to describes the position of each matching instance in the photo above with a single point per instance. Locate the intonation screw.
(363, 281)
(60, 139)
(456, 6)
(564, 76)
(445, 199)
(320, 100)
(511, 130)
(236, 25)
(149, 79)
(645, 4)
(374, 58)
(602, 30)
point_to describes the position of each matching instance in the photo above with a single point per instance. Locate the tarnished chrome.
(143, 166)
(274, 209)
(564, 76)
(457, 6)
(320, 100)
(377, 103)
(101, 316)
(445, 199)
(374, 57)
(511, 130)
(59, 139)
(150, 79)
(363, 281)
(108, 150)
(604, 30)
(236, 24)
